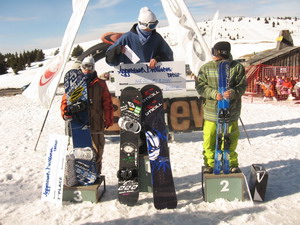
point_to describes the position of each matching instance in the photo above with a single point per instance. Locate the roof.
(265, 56)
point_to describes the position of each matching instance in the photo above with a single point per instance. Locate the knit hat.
(146, 16)
(88, 64)
(222, 49)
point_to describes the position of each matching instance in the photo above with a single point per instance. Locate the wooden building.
(283, 61)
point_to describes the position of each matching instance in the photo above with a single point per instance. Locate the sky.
(31, 24)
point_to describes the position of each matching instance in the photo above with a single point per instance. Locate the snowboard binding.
(130, 125)
(77, 107)
(84, 153)
(127, 174)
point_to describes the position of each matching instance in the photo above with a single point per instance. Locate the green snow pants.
(209, 142)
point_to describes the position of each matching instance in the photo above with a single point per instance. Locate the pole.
(245, 130)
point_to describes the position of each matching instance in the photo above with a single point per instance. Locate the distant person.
(143, 39)
(287, 88)
(100, 108)
(268, 89)
(297, 88)
(207, 87)
(279, 81)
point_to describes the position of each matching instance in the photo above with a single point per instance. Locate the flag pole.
(60, 74)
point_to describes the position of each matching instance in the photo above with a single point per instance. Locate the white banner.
(214, 29)
(188, 34)
(43, 87)
(169, 76)
(54, 168)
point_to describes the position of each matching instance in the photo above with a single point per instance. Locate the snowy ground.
(274, 130)
(273, 127)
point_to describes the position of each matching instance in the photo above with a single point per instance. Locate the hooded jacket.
(207, 87)
(155, 48)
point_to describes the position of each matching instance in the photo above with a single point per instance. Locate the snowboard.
(221, 157)
(77, 103)
(153, 118)
(130, 127)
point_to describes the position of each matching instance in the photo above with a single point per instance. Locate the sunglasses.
(88, 67)
(150, 25)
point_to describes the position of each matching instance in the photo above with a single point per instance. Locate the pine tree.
(40, 56)
(3, 68)
(56, 51)
(77, 51)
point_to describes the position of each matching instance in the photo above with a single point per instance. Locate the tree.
(77, 51)
(56, 51)
(40, 56)
(3, 68)
(266, 21)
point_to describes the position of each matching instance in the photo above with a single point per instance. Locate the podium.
(227, 186)
(92, 193)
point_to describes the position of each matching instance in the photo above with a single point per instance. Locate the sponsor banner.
(54, 168)
(188, 34)
(184, 114)
(169, 76)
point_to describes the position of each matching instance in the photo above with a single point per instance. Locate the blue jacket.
(155, 48)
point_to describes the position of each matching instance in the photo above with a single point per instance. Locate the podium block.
(92, 193)
(226, 186)
(145, 184)
(258, 182)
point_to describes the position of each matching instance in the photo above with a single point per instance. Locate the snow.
(273, 128)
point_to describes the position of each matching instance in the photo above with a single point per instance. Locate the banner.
(43, 87)
(169, 76)
(214, 29)
(54, 168)
(188, 34)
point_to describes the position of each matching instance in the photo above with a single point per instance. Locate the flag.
(188, 34)
(214, 29)
(43, 86)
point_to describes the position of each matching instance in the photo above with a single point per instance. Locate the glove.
(76, 107)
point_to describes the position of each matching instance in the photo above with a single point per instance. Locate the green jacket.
(207, 87)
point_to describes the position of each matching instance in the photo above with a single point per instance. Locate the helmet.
(88, 64)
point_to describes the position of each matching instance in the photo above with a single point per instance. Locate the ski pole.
(245, 130)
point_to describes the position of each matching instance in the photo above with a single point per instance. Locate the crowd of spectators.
(280, 88)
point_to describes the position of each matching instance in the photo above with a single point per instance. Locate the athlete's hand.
(227, 94)
(152, 63)
(219, 97)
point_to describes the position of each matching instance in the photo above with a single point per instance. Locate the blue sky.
(26, 25)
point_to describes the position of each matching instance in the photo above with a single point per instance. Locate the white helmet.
(88, 63)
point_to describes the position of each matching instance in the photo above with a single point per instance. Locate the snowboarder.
(151, 48)
(147, 44)
(207, 87)
(100, 108)
(143, 39)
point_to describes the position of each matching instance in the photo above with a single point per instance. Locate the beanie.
(146, 16)
(88, 62)
(222, 49)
